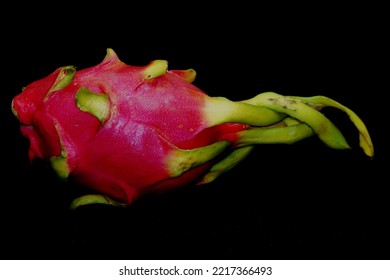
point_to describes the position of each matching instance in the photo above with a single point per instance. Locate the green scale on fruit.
(125, 131)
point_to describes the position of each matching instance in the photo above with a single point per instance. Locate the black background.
(303, 201)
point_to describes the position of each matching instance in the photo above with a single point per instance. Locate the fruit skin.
(125, 131)
(151, 113)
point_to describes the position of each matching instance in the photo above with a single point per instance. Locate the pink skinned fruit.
(125, 131)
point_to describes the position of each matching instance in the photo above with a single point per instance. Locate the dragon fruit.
(125, 131)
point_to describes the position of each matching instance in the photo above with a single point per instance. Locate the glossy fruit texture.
(128, 130)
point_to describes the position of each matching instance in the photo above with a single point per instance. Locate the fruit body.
(129, 130)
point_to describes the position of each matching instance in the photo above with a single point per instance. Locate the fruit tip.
(111, 56)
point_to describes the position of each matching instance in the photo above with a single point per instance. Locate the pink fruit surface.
(125, 130)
